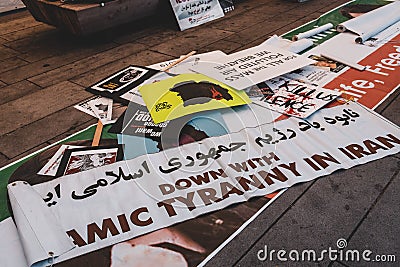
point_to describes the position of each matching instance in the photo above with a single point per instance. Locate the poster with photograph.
(52, 165)
(189, 93)
(169, 134)
(82, 159)
(192, 13)
(121, 81)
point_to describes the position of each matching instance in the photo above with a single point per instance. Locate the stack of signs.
(192, 13)
(140, 135)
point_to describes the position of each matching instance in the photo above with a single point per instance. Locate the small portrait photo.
(83, 159)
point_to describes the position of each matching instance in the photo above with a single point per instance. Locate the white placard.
(251, 66)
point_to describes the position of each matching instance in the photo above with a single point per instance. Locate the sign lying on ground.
(252, 66)
(188, 93)
(192, 13)
(182, 183)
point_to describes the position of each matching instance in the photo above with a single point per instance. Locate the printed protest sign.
(186, 94)
(292, 97)
(102, 108)
(192, 13)
(252, 66)
(121, 82)
(52, 165)
(182, 183)
(76, 160)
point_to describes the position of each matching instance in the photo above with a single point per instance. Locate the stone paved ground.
(44, 71)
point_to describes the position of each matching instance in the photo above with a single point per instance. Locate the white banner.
(113, 203)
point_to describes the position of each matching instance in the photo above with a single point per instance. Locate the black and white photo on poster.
(121, 82)
(82, 159)
(102, 108)
(52, 165)
(120, 79)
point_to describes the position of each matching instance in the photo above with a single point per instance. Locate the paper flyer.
(192, 13)
(187, 94)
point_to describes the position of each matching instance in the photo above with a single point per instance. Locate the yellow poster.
(188, 93)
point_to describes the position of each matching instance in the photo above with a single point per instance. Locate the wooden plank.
(6, 52)
(2, 40)
(84, 65)
(2, 84)
(129, 33)
(14, 16)
(3, 160)
(17, 24)
(51, 63)
(192, 39)
(38, 31)
(161, 35)
(17, 90)
(224, 45)
(40, 104)
(251, 17)
(55, 43)
(26, 153)
(72, 130)
(11, 63)
(62, 121)
(142, 58)
(265, 28)
(280, 31)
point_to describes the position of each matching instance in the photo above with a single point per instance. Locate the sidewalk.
(45, 71)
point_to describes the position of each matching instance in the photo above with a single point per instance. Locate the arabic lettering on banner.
(126, 199)
(191, 13)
